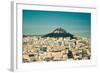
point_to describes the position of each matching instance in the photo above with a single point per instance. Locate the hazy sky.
(43, 22)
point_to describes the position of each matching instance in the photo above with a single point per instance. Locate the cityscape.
(57, 42)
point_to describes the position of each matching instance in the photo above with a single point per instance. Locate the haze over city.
(42, 22)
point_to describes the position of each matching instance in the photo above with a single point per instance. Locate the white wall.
(5, 34)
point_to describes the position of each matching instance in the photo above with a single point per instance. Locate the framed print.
(52, 36)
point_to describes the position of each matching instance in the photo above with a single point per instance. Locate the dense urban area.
(38, 48)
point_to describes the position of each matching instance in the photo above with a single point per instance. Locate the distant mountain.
(59, 32)
(30, 35)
